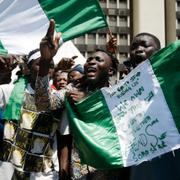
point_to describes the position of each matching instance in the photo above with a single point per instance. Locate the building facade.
(127, 18)
(117, 13)
(177, 19)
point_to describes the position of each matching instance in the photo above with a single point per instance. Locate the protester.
(142, 47)
(60, 80)
(97, 75)
(75, 75)
(29, 145)
(64, 139)
(7, 64)
(64, 75)
(98, 68)
(48, 47)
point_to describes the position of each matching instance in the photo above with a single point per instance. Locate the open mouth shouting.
(91, 71)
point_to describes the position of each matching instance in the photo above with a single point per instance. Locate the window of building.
(123, 40)
(112, 11)
(178, 23)
(113, 20)
(112, 3)
(123, 4)
(178, 6)
(123, 21)
(102, 39)
(80, 40)
(91, 39)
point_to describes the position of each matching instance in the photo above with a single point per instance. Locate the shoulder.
(6, 88)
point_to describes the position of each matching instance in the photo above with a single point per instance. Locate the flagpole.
(115, 52)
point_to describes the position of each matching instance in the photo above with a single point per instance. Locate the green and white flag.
(24, 23)
(134, 121)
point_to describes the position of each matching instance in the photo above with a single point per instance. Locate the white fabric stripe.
(34, 56)
(149, 124)
(22, 25)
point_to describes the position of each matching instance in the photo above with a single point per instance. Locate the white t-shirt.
(5, 92)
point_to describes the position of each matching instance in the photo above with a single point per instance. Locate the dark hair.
(78, 68)
(60, 71)
(114, 60)
(156, 40)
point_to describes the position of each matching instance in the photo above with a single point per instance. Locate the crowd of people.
(36, 139)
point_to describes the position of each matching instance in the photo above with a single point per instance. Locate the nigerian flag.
(134, 121)
(24, 23)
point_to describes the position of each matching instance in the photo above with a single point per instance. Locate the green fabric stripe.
(13, 107)
(94, 132)
(3, 51)
(74, 17)
(166, 66)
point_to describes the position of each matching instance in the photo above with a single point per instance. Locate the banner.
(134, 121)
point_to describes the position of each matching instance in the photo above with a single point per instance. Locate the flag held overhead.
(74, 17)
(23, 24)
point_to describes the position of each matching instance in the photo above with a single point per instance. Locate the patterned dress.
(29, 145)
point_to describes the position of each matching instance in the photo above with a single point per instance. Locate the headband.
(34, 56)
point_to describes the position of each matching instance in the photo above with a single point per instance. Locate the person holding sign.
(98, 68)
(142, 47)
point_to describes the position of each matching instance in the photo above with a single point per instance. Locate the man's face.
(142, 47)
(75, 78)
(97, 67)
(60, 80)
(34, 68)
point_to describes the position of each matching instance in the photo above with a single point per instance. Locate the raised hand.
(48, 48)
(111, 45)
(50, 43)
(7, 63)
(66, 63)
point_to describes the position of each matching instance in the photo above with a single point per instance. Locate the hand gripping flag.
(134, 121)
(24, 23)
